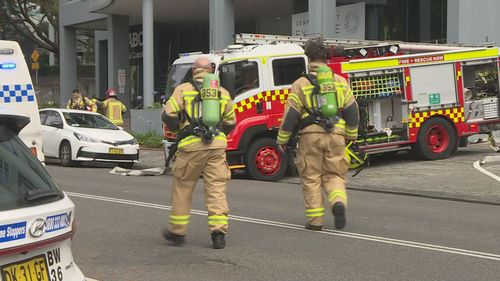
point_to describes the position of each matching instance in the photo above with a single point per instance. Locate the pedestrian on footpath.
(322, 108)
(201, 151)
(112, 107)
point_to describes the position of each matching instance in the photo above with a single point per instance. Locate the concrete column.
(118, 56)
(425, 20)
(148, 52)
(67, 63)
(221, 23)
(452, 22)
(322, 19)
(473, 21)
(101, 62)
(52, 37)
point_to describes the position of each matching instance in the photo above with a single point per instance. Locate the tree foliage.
(31, 19)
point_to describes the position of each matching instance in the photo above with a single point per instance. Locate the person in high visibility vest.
(323, 105)
(80, 102)
(113, 108)
(201, 112)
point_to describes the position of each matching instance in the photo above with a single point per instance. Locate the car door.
(52, 133)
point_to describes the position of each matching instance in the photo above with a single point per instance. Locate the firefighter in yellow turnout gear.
(201, 151)
(321, 160)
(80, 102)
(113, 108)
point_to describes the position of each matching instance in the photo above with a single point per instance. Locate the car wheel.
(436, 139)
(126, 165)
(65, 154)
(265, 161)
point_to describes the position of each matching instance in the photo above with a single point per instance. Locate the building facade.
(136, 40)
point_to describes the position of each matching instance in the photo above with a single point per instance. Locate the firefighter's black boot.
(338, 211)
(177, 240)
(218, 240)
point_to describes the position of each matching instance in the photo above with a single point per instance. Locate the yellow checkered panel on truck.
(271, 95)
(455, 114)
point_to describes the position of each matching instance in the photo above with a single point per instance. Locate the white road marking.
(404, 243)
(478, 167)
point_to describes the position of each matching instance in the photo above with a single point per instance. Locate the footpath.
(454, 178)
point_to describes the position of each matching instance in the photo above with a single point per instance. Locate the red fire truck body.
(411, 96)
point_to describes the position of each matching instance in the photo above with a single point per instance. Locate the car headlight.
(85, 138)
(134, 141)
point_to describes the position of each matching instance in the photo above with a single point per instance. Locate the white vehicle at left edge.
(37, 219)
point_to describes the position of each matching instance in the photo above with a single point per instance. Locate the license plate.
(116, 151)
(33, 269)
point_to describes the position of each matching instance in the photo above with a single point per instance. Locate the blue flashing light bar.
(7, 65)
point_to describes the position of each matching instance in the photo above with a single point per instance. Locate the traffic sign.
(35, 56)
(35, 66)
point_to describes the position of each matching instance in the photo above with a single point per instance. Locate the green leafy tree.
(30, 19)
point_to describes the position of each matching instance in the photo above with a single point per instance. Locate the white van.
(18, 95)
(37, 220)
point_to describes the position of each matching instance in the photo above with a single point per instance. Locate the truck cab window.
(286, 71)
(239, 77)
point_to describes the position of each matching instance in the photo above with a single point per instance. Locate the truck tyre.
(265, 161)
(463, 141)
(436, 139)
(65, 154)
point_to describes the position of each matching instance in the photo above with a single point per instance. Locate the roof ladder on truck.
(356, 47)
(351, 48)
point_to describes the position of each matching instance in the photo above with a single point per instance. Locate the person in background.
(113, 108)
(80, 102)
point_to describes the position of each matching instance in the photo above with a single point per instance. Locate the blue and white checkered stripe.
(17, 93)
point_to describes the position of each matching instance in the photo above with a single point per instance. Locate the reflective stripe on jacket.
(113, 110)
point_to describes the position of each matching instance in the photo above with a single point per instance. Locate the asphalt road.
(388, 237)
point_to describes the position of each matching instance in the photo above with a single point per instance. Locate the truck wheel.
(436, 139)
(463, 141)
(265, 161)
(65, 154)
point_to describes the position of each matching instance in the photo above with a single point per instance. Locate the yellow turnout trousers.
(322, 166)
(212, 165)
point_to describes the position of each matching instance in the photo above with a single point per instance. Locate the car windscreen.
(85, 120)
(178, 74)
(23, 180)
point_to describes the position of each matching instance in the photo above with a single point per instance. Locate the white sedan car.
(75, 136)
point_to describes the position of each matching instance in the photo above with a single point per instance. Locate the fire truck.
(412, 96)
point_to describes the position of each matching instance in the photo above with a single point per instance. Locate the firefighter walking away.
(202, 113)
(113, 108)
(322, 108)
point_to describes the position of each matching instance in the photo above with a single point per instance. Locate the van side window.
(239, 77)
(286, 71)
